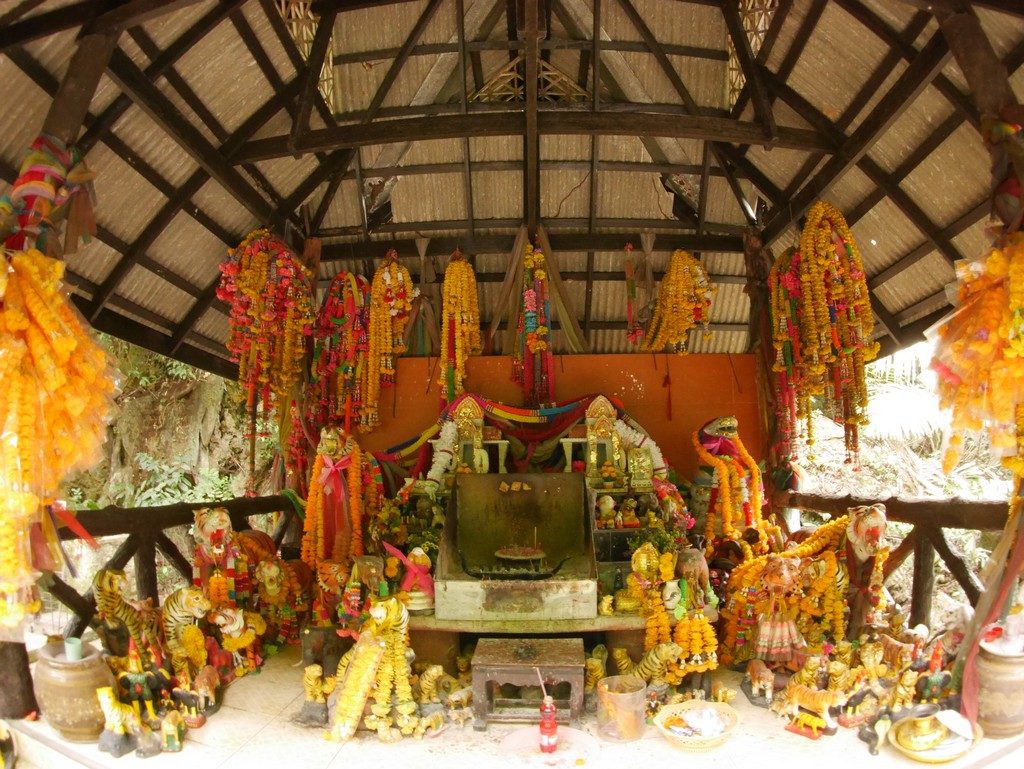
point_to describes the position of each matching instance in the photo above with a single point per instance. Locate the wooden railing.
(925, 540)
(145, 527)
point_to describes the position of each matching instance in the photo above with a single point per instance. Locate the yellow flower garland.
(391, 295)
(460, 323)
(53, 413)
(730, 480)
(684, 300)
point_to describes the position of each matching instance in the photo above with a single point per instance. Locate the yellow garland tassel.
(460, 325)
(684, 300)
(53, 413)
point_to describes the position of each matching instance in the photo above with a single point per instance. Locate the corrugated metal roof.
(838, 58)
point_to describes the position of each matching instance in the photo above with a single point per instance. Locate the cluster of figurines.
(171, 662)
(806, 617)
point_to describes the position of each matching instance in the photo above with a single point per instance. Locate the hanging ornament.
(460, 325)
(634, 329)
(684, 301)
(270, 294)
(822, 326)
(532, 363)
(391, 295)
(57, 397)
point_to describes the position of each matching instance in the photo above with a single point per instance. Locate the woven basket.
(697, 744)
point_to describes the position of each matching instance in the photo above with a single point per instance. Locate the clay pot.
(1000, 706)
(66, 691)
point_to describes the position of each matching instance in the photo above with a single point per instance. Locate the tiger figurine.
(428, 684)
(316, 686)
(118, 718)
(653, 666)
(141, 620)
(815, 701)
(331, 577)
(184, 639)
(431, 725)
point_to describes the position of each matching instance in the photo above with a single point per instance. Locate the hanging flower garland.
(58, 393)
(336, 492)
(684, 300)
(634, 331)
(271, 297)
(460, 325)
(391, 295)
(533, 364)
(341, 337)
(822, 325)
(979, 357)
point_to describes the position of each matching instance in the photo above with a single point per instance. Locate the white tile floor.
(253, 729)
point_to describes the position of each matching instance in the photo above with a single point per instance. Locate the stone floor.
(253, 729)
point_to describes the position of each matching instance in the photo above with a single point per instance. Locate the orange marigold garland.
(460, 325)
(823, 323)
(271, 297)
(57, 399)
(391, 295)
(980, 354)
(532, 360)
(333, 526)
(684, 301)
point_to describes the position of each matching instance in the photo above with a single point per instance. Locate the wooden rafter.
(47, 23)
(181, 199)
(745, 57)
(171, 54)
(932, 58)
(133, 12)
(571, 224)
(467, 160)
(311, 78)
(688, 101)
(767, 45)
(549, 122)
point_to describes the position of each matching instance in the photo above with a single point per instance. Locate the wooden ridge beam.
(932, 58)
(620, 325)
(167, 58)
(549, 122)
(531, 135)
(420, 169)
(48, 23)
(562, 223)
(159, 108)
(498, 244)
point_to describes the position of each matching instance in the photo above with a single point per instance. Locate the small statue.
(331, 577)
(905, 690)
(670, 594)
(217, 556)
(185, 641)
(865, 532)
(316, 688)
(605, 605)
(283, 588)
(240, 635)
(653, 667)
(138, 685)
(464, 664)
(417, 583)
(692, 566)
(629, 517)
(605, 512)
(777, 634)
(121, 725)
(758, 683)
(172, 732)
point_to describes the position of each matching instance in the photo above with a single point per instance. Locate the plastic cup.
(73, 649)
(621, 708)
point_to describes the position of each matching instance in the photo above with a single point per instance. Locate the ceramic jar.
(1000, 705)
(66, 691)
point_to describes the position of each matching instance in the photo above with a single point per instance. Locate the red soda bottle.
(548, 725)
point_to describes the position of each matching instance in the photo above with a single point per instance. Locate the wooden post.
(145, 567)
(924, 582)
(531, 137)
(70, 105)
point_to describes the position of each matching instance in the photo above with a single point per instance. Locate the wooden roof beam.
(48, 23)
(320, 7)
(770, 38)
(166, 59)
(688, 101)
(549, 122)
(159, 108)
(751, 74)
(531, 136)
(311, 77)
(887, 183)
(562, 223)
(134, 12)
(912, 81)
(180, 199)
(497, 244)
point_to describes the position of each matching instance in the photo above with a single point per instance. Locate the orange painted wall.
(703, 387)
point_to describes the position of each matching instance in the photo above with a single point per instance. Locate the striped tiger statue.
(653, 666)
(118, 718)
(184, 639)
(141, 620)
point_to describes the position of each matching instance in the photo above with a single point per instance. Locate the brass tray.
(951, 748)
